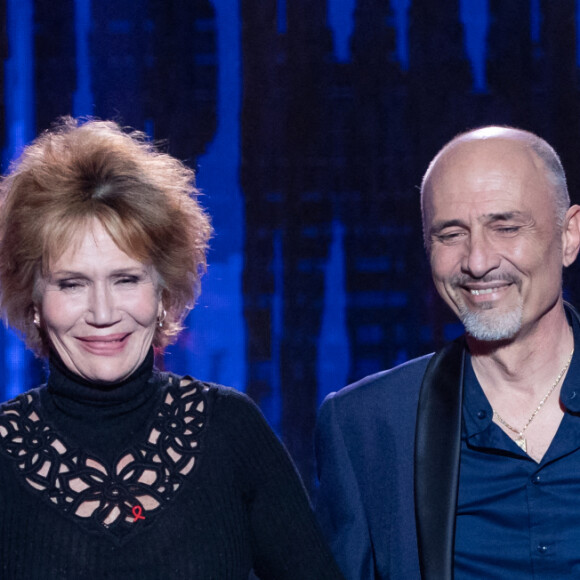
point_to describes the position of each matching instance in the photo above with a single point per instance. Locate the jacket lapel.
(437, 450)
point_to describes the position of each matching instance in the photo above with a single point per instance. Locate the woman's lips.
(104, 345)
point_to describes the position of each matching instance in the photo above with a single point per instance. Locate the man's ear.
(571, 235)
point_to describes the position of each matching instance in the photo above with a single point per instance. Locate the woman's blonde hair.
(145, 199)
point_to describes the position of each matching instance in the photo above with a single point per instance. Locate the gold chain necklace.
(520, 439)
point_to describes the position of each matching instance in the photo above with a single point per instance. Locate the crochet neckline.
(120, 498)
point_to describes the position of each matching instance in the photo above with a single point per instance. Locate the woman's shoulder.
(24, 400)
(218, 395)
(227, 412)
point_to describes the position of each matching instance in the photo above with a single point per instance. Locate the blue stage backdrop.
(310, 124)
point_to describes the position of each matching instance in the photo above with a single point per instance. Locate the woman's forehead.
(85, 241)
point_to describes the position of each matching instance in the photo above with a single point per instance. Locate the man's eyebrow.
(502, 216)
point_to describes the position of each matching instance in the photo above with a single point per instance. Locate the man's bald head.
(503, 136)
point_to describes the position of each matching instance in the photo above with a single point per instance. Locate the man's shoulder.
(405, 378)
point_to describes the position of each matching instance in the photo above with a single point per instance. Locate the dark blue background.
(310, 123)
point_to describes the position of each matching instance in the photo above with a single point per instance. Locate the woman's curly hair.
(145, 199)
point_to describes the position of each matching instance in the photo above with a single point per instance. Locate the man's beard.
(491, 323)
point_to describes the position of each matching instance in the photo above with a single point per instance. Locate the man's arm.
(339, 507)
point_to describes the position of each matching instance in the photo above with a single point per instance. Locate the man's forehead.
(476, 177)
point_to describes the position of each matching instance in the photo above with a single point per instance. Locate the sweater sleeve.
(287, 543)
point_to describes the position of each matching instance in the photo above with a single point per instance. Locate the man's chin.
(485, 326)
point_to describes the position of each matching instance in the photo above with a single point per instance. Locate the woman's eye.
(68, 284)
(128, 280)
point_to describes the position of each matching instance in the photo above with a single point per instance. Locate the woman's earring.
(161, 318)
(36, 319)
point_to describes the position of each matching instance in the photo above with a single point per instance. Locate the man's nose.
(480, 257)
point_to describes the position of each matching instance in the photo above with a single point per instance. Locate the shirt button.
(572, 395)
(542, 548)
(482, 414)
(536, 479)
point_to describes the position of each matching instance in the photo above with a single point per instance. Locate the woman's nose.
(102, 311)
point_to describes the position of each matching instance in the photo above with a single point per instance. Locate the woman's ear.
(161, 314)
(36, 317)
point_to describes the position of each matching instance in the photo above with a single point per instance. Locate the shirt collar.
(477, 412)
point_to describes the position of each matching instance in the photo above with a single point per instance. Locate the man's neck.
(529, 361)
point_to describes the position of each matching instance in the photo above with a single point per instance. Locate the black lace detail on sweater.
(115, 499)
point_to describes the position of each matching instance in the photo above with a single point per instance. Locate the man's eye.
(507, 229)
(449, 237)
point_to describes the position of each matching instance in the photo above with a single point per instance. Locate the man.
(466, 463)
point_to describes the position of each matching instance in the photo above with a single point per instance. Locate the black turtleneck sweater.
(155, 477)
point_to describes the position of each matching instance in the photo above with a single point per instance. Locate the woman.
(113, 469)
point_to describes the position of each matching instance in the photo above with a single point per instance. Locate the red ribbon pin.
(137, 511)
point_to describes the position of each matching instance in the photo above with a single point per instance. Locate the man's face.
(495, 246)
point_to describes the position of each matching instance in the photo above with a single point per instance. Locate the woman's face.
(99, 307)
